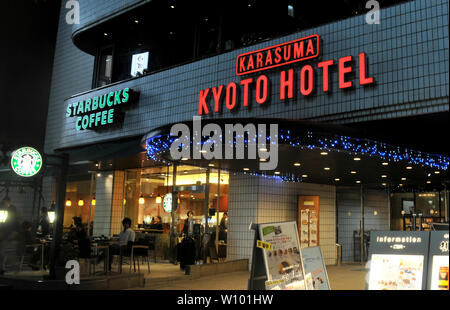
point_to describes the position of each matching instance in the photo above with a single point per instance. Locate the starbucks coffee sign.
(101, 111)
(26, 162)
(167, 203)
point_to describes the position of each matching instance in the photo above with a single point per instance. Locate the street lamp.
(3, 214)
(51, 213)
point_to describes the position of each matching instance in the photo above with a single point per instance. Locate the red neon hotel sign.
(290, 81)
(278, 55)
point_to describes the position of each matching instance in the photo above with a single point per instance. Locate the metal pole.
(174, 206)
(389, 206)
(90, 204)
(362, 225)
(206, 204)
(61, 181)
(218, 210)
(445, 203)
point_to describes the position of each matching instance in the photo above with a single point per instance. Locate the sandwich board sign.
(314, 266)
(398, 260)
(438, 261)
(276, 263)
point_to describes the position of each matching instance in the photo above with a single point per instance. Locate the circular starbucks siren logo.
(167, 202)
(26, 162)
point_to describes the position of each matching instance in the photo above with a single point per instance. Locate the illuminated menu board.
(438, 261)
(398, 260)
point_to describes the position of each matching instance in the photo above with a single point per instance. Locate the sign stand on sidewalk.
(258, 275)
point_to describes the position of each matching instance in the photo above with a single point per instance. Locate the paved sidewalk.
(346, 277)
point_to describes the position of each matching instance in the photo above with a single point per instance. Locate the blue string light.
(160, 144)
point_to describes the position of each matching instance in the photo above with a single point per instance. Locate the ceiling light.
(337, 179)
(384, 184)
(158, 199)
(428, 182)
(304, 176)
(353, 172)
(297, 164)
(323, 153)
(80, 202)
(141, 200)
(375, 213)
(384, 176)
(385, 164)
(358, 182)
(327, 168)
(68, 203)
(400, 184)
(211, 165)
(403, 179)
(356, 159)
(172, 6)
(409, 168)
(277, 172)
(437, 172)
(246, 169)
(136, 21)
(105, 34)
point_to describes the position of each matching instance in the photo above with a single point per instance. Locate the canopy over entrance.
(320, 153)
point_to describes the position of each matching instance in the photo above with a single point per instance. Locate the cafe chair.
(26, 257)
(140, 251)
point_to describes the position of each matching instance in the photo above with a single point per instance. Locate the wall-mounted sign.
(26, 162)
(139, 63)
(398, 260)
(167, 202)
(101, 111)
(278, 55)
(303, 81)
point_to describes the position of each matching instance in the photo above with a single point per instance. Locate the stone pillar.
(103, 208)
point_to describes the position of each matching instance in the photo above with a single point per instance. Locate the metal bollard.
(339, 254)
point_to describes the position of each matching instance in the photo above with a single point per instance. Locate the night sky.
(27, 40)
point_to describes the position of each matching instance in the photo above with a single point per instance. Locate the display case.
(308, 221)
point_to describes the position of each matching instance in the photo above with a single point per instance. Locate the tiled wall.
(104, 197)
(260, 200)
(408, 54)
(349, 216)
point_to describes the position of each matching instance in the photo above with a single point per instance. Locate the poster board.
(314, 267)
(308, 220)
(398, 260)
(282, 263)
(258, 275)
(438, 273)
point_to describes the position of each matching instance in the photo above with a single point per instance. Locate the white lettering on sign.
(386, 239)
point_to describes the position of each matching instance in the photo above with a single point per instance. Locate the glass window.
(105, 67)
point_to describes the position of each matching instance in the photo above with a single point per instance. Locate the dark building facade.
(397, 69)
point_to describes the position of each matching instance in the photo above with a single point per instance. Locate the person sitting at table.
(125, 236)
(156, 223)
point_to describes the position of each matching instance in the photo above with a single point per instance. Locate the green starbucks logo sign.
(26, 162)
(167, 202)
